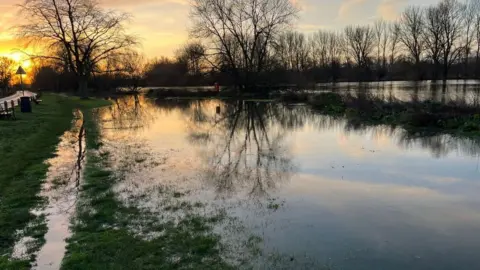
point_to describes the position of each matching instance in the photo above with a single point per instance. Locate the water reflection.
(441, 145)
(243, 120)
(129, 113)
(67, 167)
(62, 188)
(249, 139)
(461, 91)
(241, 147)
(362, 195)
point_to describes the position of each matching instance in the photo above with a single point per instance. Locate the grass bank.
(109, 234)
(25, 145)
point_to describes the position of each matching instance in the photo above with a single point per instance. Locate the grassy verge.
(108, 234)
(24, 146)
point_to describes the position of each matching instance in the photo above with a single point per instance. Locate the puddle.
(61, 189)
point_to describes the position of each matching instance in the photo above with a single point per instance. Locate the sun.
(21, 59)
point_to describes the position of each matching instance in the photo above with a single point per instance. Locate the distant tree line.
(251, 39)
(7, 69)
(252, 44)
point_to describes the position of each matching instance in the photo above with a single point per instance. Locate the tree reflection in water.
(439, 145)
(245, 148)
(129, 113)
(64, 175)
(242, 146)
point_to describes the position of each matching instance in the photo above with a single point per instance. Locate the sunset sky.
(163, 24)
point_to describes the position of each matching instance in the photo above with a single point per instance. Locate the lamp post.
(21, 72)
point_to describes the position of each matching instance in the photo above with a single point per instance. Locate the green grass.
(91, 103)
(25, 145)
(102, 231)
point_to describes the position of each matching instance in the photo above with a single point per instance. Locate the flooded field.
(297, 190)
(458, 91)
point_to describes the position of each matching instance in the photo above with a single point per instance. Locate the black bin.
(25, 105)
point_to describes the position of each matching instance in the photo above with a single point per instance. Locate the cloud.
(123, 3)
(311, 27)
(390, 9)
(348, 6)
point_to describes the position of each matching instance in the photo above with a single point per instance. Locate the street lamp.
(21, 72)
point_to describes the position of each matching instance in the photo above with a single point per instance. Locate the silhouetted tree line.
(7, 71)
(251, 44)
(238, 44)
(441, 41)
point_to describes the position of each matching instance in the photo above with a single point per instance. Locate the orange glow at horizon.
(15, 49)
(20, 60)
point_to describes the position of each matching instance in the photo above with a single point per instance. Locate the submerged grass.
(103, 237)
(421, 117)
(25, 145)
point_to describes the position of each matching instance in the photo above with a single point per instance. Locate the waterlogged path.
(61, 189)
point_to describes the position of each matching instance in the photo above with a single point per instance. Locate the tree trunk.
(477, 62)
(418, 71)
(465, 66)
(83, 86)
(436, 69)
(445, 71)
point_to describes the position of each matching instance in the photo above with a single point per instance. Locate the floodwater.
(315, 189)
(458, 91)
(61, 190)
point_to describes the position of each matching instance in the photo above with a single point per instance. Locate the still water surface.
(315, 189)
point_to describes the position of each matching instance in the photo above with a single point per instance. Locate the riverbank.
(25, 145)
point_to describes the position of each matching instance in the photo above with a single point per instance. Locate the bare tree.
(294, 49)
(411, 33)
(193, 54)
(394, 40)
(452, 31)
(7, 68)
(359, 43)
(381, 40)
(132, 69)
(335, 47)
(476, 35)
(85, 33)
(433, 37)
(281, 52)
(319, 43)
(240, 31)
(470, 12)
